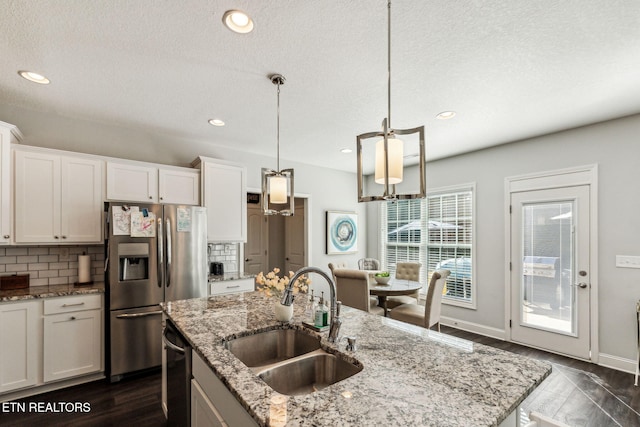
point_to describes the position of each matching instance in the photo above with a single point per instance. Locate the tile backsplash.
(51, 265)
(226, 253)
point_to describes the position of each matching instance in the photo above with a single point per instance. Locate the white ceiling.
(510, 69)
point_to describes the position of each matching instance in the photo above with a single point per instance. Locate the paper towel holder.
(81, 266)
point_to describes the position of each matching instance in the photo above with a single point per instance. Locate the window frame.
(424, 243)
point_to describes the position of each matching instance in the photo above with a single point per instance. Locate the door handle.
(168, 252)
(160, 255)
(581, 285)
(247, 260)
(171, 345)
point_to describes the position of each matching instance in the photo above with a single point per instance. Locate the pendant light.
(277, 185)
(389, 150)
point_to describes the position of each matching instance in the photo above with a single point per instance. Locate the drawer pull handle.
(133, 315)
(231, 287)
(73, 305)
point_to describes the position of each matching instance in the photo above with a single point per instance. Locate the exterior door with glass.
(550, 276)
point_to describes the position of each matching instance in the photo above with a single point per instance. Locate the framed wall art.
(342, 232)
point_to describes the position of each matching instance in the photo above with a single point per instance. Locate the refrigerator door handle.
(160, 255)
(168, 252)
(136, 315)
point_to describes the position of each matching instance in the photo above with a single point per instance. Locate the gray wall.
(615, 147)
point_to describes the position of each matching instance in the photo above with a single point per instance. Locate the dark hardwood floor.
(576, 393)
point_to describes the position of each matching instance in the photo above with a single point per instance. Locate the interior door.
(550, 284)
(295, 239)
(255, 250)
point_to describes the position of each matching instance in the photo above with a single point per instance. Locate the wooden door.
(295, 238)
(255, 250)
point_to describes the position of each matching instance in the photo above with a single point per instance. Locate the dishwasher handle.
(171, 345)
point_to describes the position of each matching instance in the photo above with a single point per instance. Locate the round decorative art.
(343, 233)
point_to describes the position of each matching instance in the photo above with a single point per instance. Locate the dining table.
(395, 287)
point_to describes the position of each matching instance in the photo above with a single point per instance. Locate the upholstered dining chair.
(406, 271)
(353, 290)
(368, 264)
(429, 315)
(336, 266)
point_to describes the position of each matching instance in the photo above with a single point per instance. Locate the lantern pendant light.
(277, 185)
(389, 151)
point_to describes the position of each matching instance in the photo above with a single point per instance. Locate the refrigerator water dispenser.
(134, 261)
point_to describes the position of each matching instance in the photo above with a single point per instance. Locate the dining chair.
(406, 271)
(429, 315)
(353, 290)
(336, 266)
(368, 264)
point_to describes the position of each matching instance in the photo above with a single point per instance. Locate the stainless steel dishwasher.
(178, 377)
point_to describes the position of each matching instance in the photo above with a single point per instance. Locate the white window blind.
(438, 233)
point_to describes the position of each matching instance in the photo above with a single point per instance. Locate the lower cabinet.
(223, 287)
(19, 344)
(212, 404)
(47, 340)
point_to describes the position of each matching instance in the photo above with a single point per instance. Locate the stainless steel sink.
(308, 373)
(291, 361)
(266, 348)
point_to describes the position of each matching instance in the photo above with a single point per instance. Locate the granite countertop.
(49, 291)
(230, 276)
(411, 376)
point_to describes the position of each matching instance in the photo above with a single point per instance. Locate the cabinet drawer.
(232, 286)
(72, 303)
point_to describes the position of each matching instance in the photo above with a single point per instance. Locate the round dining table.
(393, 288)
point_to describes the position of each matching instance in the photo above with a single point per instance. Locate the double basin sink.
(291, 361)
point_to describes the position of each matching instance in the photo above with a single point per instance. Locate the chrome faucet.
(287, 299)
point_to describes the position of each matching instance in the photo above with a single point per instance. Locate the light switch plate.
(627, 261)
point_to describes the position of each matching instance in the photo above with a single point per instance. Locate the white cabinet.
(9, 134)
(58, 198)
(72, 336)
(212, 404)
(224, 194)
(151, 184)
(131, 182)
(223, 287)
(180, 187)
(19, 344)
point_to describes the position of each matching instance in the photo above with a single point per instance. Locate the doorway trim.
(307, 226)
(580, 175)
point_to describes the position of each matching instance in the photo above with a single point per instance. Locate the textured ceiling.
(510, 69)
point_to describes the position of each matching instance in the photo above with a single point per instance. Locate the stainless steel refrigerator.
(154, 253)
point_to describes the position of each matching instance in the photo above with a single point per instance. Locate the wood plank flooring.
(576, 393)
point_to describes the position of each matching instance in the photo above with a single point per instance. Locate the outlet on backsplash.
(226, 253)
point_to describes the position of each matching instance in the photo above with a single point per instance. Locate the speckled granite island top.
(49, 291)
(411, 376)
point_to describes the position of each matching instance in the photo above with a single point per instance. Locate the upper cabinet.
(146, 183)
(58, 198)
(8, 134)
(224, 194)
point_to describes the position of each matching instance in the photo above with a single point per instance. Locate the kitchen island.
(411, 376)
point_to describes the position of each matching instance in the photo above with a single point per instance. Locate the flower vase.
(284, 313)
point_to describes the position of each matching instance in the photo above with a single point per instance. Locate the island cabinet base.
(211, 403)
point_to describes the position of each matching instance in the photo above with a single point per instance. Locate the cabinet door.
(5, 188)
(72, 344)
(81, 200)
(37, 197)
(225, 197)
(133, 183)
(179, 187)
(19, 335)
(203, 413)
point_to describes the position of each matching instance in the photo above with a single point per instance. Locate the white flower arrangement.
(271, 284)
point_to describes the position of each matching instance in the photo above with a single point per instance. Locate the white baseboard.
(604, 360)
(476, 328)
(617, 363)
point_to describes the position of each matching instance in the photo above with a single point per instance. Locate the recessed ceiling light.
(346, 150)
(446, 115)
(237, 21)
(34, 77)
(216, 122)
